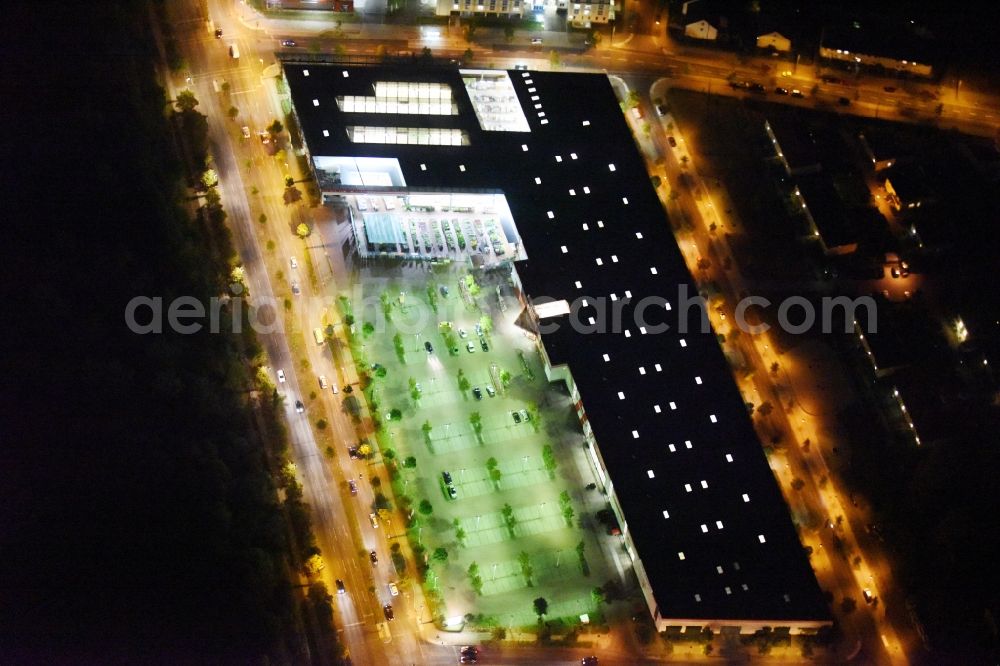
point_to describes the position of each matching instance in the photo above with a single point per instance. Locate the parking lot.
(478, 407)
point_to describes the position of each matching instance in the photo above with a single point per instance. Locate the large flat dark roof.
(671, 426)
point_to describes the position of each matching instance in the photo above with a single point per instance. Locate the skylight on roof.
(606, 358)
(628, 294)
(688, 444)
(538, 106)
(711, 417)
(572, 192)
(611, 167)
(667, 306)
(642, 329)
(704, 528)
(718, 567)
(538, 181)
(600, 224)
(578, 284)
(423, 167)
(635, 435)
(673, 449)
(652, 269)
(614, 258)
(544, 121)
(687, 487)
(524, 147)
(534, 98)
(680, 555)
(345, 73)
(628, 333)
(558, 158)
(649, 472)
(326, 132)
(746, 498)
(673, 405)
(531, 90)
(586, 190)
(586, 227)
(638, 235)
(564, 250)
(760, 537)
(659, 368)
(315, 102)
(656, 408)
(697, 380)
(625, 200)
(305, 72)
(642, 370)
(666, 514)
(697, 598)
(729, 457)
(525, 75)
(704, 483)
(573, 155)
(684, 342)
(621, 395)
(550, 214)
(586, 123)
(461, 167)
(600, 262)
(718, 524)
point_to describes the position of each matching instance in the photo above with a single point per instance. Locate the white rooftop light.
(718, 524)
(746, 498)
(586, 123)
(572, 192)
(736, 565)
(635, 435)
(524, 147)
(305, 72)
(563, 248)
(628, 294)
(550, 214)
(760, 537)
(667, 306)
(673, 449)
(531, 90)
(704, 483)
(606, 358)
(687, 487)
(666, 514)
(528, 81)
(642, 370)
(586, 227)
(711, 417)
(578, 284)
(534, 98)
(585, 302)
(688, 444)
(745, 587)
(600, 224)
(525, 74)
(649, 472)
(558, 158)
(541, 114)
(697, 380)
(544, 121)
(315, 102)
(614, 297)
(704, 528)
(538, 106)
(728, 590)
(718, 567)
(573, 155)
(344, 72)
(423, 167)
(614, 258)
(625, 200)
(461, 167)
(680, 555)
(652, 269)
(729, 457)
(621, 395)
(638, 235)
(611, 167)
(684, 342)
(628, 333)
(673, 405)
(600, 262)
(586, 190)
(697, 598)
(656, 408)
(326, 132)
(642, 329)
(659, 368)
(538, 181)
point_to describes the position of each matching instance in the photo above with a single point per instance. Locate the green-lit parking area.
(506, 529)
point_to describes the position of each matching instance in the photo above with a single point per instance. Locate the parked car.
(387, 609)
(293, 262)
(393, 590)
(589, 661)
(447, 478)
(322, 382)
(470, 347)
(288, 42)
(353, 486)
(299, 407)
(869, 597)
(516, 417)
(373, 556)
(462, 333)
(490, 391)
(352, 451)
(469, 654)
(373, 519)
(536, 40)
(477, 393)
(661, 109)
(246, 132)
(482, 343)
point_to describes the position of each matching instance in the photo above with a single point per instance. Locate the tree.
(233, 112)
(486, 323)
(684, 161)
(527, 570)
(765, 409)
(495, 476)
(475, 579)
(541, 607)
(774, 368)
(505, 377)
(186, 101)
(275, 128)
(632, 100)
(469, 31)
(440, 554)
(321, 424)
(262, 218)
(315, 564)
(554, 59)
(303, 230)
(410, 462)
(798, 484)
(463, 381)
(598, 596)
(467, 56)
(367, 329)
(426, 508)
(704, 264)
(460, 536)
(508, 32)
(364, 449)
(549, 460)
(425, 53)
(395, 414)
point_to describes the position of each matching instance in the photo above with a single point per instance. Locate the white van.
(318, 336)
(234, 51)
